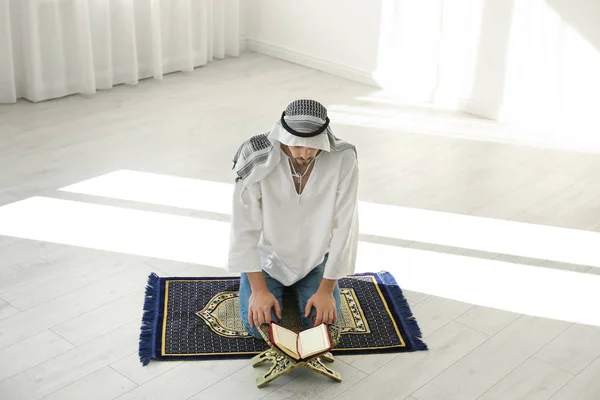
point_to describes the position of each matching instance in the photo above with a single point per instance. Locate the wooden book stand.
(281, 363)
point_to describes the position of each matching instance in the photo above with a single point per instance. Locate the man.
(295, 218)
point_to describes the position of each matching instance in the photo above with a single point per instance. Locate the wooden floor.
(495, 245)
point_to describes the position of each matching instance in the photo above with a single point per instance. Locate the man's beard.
(302, 161)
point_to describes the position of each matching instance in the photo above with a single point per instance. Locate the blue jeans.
(303, 290)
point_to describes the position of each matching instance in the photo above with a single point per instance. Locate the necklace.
(299, 176)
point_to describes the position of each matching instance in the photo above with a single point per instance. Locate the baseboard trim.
(313, 62)
(480, 109)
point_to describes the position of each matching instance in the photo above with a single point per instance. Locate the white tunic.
(288, 234)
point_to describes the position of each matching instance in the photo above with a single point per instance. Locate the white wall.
(530, 63)
(332, 35)
(394, 44)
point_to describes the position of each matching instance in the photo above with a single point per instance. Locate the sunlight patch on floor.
(116, 229)
(412, 224)
(542, 292)
(537, 291)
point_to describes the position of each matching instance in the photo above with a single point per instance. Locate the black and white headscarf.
(303, 123)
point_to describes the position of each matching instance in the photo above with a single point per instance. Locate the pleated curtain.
(54, 48)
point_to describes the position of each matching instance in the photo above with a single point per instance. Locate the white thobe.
(288, 234)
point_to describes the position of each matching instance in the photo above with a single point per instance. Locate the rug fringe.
(148, 319)
(403, 307)
(413, 328)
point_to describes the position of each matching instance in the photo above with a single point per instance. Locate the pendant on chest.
(301, 176)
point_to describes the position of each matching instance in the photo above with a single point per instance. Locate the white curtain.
(53, 48)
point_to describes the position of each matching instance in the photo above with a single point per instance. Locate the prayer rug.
(199, 319)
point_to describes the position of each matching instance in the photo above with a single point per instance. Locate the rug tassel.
(148, 319)
(413, 328)
(403, 308)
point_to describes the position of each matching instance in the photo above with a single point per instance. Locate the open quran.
(307, 344)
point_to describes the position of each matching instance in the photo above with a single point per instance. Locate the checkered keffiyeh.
(254, 152)
(307, 107)
(304, 117)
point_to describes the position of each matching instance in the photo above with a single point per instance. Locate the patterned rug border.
(153, 314)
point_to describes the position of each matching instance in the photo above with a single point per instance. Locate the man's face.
(303, 155)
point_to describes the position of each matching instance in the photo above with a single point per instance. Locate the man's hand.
(259, 307)
(325, 305)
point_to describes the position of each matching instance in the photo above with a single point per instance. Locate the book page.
(285, 337)
(313, 341)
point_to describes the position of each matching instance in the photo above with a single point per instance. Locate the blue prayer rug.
(199, 319)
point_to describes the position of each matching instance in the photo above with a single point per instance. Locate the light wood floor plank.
(585, 386)
(35, 320)
(533, 380)
(105, 383)
(481, 369)
(574, 350)
(6, 310)
(70, 367)
(408, 372)
(30, 352)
